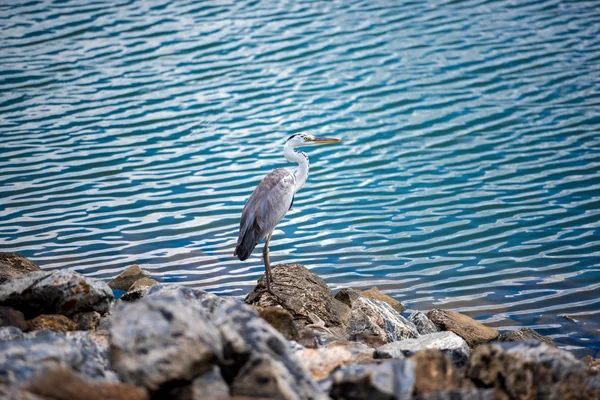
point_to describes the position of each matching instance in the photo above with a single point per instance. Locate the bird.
(272, 199)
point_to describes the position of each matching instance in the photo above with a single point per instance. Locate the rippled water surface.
(469, 178)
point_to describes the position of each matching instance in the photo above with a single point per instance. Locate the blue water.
(469, 178)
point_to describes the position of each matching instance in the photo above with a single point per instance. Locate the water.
(469, 178)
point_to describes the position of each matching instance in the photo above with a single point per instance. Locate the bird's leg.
(268, 276)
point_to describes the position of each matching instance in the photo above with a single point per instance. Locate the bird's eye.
(306, 138)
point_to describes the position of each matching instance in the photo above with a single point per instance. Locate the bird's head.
(302, 139)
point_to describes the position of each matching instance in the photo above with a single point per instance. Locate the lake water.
(469, 179)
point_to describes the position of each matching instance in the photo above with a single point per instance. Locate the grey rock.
(532, 370)
(127, 278)
(300, 292)
(11, 317)
(87, 320)
(139, 289)
(423, 324)
(525, 334)
(379, 319)
(209, 385)
(458, 394)
(159, 340)
(14, 265)
(10, 333)
(258, 360)
(347, 296)
(56, 292)
(26, 355)
(207, 301)
(387, 381)
(448, 343)
(375, 294)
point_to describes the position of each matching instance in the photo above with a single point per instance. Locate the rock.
(375, 294)
(87, 320)
(466, 327)
(360, 351)
(56, 292)
(127, 278)
(209, 385)
(51, 322)
(12, 393)
(423, 324)
(207, 301)
(524, 334)
(300, 292)
(258, 360)
(14, 265)
(591, 362)
(75, 387)
(347, 296)
(10, 333)
(160, 340)
(321, 362)
(448, 343)
(139, 289)
(26, 356)
(101, 337)
(459, 394)
(379, 319)
(434, 372)
(388, 381)
(281, 320)
(532, 370)
(11, 317)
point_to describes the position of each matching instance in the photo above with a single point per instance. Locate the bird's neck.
(301, 158)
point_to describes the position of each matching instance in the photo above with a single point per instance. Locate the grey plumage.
(267, 205)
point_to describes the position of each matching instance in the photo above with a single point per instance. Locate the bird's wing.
(267, 205)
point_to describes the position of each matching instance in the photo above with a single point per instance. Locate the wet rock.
(458, 394)
(532, 370)
(375, 294)
(127, 278)
(160, 340)
(56, 292)
(423, 324)
(379, 319)
(52, 322)
(281, 320)
(258, 361)
(466, 327)
(87, 320)
(591, 362)
(207, 301)
(321, 362)
(525, 334)
(139, 289)
(448, 343)
(14, 265)
(11, 317)
(300, 292)
(75, 387)
(434, 372)
(387, 381)
(26, 356)
(347, 296)
(360, 352)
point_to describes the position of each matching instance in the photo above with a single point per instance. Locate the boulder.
(10, 333)
(360, 352)
(101, 337)
(160, 340)
(51, 322)
(258, 360)
(139, 289)
(448, 343)
(26, 355)
(55, 292)
(375, 294)
(379, 319)
(14, 265)
(281, 320)
(347, 296)
(466, 327)
(532, 370)
(459, 394)
(524, 334)
(207, 301)
(209, 385)
(387, 381)
(591, 362)
(127, 278)
(321, 362)
(434, 372)
(86, 320)
(8, 392)
(300, 292)
(11, 317)
(423, 324)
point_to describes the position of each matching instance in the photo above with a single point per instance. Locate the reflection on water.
(469, 176)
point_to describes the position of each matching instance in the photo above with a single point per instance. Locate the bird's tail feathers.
(245, 245)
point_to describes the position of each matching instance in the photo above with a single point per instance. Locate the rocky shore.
(64, 336)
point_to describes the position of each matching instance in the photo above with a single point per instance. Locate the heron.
(272, 199)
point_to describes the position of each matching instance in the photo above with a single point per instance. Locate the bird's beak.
(326, 140)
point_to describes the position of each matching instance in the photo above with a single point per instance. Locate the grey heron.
(272, 199)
